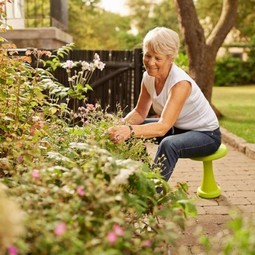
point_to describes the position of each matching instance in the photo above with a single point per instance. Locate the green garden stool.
(209, 188)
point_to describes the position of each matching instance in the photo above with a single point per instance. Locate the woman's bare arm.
(140, 112)
(179, 93)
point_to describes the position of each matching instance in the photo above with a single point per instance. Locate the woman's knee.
(167, 145)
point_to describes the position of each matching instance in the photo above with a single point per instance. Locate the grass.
(237, 104)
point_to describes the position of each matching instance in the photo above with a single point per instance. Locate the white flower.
(57, 156)
(122, 177)
(80, 146)
(96, 57)
(68, 189)
(100, 65)
(69, 64)
(59, 168)
(85, 66)
(35, 118)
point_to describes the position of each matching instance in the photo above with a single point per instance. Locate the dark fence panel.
(118, 84)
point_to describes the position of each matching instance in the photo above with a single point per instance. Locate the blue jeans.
(179, 143)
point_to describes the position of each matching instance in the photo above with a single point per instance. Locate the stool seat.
(209, 188)
(221, 152)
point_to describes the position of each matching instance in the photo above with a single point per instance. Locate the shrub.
(230, 70)
(81, 193)
(233, 71)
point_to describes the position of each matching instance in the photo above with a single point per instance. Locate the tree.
(202, 51)
(94, 28)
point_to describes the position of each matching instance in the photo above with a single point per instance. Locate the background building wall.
(15, 14)
(52, 36)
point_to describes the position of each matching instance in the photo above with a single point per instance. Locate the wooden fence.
(118, 84)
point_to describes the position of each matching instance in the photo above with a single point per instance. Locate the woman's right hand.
(119, 134)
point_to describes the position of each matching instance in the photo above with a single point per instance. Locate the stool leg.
(208, 188)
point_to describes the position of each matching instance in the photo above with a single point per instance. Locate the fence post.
(138, 72)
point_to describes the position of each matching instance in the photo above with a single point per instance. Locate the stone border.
(238, 143)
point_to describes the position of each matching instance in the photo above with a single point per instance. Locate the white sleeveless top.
(196, 114)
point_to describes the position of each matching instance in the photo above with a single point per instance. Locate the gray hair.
(162, 40)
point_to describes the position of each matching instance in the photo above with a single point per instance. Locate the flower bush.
(80, 193)
(67, 189)
(84, 200)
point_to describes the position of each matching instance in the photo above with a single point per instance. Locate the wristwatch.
(132, 132)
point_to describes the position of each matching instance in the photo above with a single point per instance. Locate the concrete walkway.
(235, 174)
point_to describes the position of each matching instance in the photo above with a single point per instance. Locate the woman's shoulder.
(147, 79)
(179, 71)
(178, 74)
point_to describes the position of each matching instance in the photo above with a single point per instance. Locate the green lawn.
(237, 104)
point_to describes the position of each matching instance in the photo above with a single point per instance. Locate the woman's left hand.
(119, 134)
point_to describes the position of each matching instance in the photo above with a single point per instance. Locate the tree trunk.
(201, 51)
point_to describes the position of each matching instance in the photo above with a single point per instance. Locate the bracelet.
(132, 132)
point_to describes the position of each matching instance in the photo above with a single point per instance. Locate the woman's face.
(156, 64)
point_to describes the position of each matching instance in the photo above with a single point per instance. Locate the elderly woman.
(187, 125)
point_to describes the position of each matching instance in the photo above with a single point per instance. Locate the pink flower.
(36, 174)
(147, 243)
(80, 191)
(12, 250)
(20, 159)
(112, 237)
(60, 229)
(90, 106)
(118, 230)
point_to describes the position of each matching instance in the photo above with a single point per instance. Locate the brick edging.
(238, 143)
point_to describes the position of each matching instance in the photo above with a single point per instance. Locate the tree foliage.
(94, 28)
(209, 11)
(147, 14)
